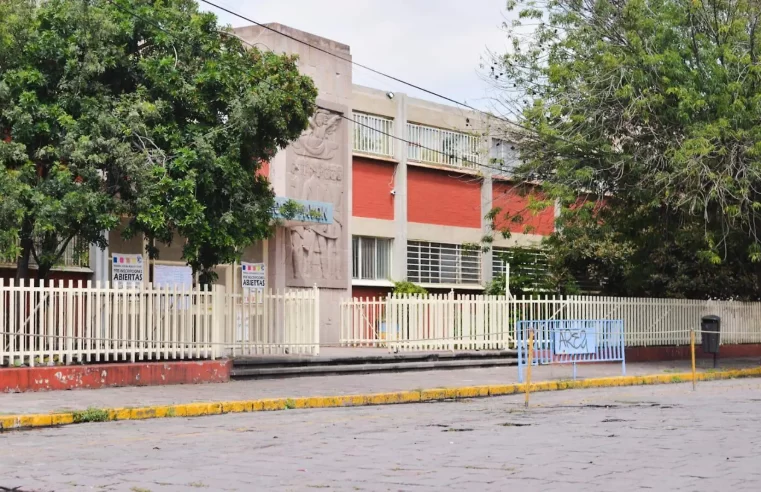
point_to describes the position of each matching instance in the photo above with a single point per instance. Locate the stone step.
(251, 367)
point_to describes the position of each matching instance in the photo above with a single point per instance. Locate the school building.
(409, 183)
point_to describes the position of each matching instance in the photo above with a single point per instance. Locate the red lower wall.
(365, 292)
(16, 380)
(651, 354)
(56, 275)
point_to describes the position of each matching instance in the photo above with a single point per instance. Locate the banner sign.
(253, 276)
(312, 212)
(575, 338)
(126, 269)
(171, 276)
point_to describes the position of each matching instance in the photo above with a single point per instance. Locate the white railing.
(443, 147)
(62, 323)
(273, 322)
(434, 322)
(76, 254)
(373, 135)
(476, 322)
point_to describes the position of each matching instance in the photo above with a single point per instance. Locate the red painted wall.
(365, 292)
(372, 182)
(682, 352)
(508, 197)
(264, 169)
(14, 380)
(55, 275)
(443, 198)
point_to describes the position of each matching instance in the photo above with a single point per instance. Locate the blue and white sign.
(575, 338)
(313, 212)
(570, 342)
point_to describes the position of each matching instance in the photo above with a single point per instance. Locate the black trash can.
(710, 328)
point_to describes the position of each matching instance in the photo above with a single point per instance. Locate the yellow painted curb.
(416, 396)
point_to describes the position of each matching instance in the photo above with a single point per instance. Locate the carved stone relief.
(317, 167)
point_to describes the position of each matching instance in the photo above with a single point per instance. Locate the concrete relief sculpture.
(317, 174)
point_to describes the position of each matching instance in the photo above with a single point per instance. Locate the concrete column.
(487, 203)
(399, 260)
(100, 262)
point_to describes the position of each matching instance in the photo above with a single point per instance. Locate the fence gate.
(570, 342)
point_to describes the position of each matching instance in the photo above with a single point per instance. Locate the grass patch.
(290, 404)
(90, 415)
(198, 485)
(139, 489)
(171, 412)
(676, 379)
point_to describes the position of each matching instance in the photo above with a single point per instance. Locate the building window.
(373, 134)
(439, 263)
(436, 146)
(371, 258)
(524, 262)
(76, 254)
(503, 155)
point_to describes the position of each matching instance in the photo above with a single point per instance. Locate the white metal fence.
(373, 134)
(64, 323)
(434, 322)
(273, 322)
(436, 146)
(452, 322)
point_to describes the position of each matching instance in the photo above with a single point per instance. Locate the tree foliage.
(649, 111)
(143, 109)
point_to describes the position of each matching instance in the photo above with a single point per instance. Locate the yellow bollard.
(692, 351)
(530, 353)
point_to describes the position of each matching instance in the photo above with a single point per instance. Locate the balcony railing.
(443, 147)
(76, 255)
(373, 135)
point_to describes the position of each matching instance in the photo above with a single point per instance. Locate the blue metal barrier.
(571, 342)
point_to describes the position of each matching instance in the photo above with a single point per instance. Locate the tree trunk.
(22, 264)
(42, 273)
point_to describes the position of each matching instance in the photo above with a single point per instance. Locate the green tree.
(143, 109)
(642, 119)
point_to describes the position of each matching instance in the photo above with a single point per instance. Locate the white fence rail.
(485, 322)
(436, 322)
(273, 322)
(436, 146)
(64, 323)
(373, 135)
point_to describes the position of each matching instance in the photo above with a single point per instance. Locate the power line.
(408, 142)
(396, 79)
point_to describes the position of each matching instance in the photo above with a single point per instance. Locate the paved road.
(658, 438)
(57, 401)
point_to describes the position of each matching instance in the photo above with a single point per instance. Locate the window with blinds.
(371, 258)
(440, 263)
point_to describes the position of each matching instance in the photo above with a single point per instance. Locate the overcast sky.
(436, 44)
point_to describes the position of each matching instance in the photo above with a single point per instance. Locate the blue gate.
(571, 342)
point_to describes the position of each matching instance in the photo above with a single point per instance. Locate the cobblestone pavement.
(662, 438)
(56, 401)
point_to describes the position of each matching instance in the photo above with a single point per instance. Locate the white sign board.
(169, 276)
(253, 276)
(575, 338)
(126, 269)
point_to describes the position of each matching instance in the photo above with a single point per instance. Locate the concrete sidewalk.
(131, 397)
